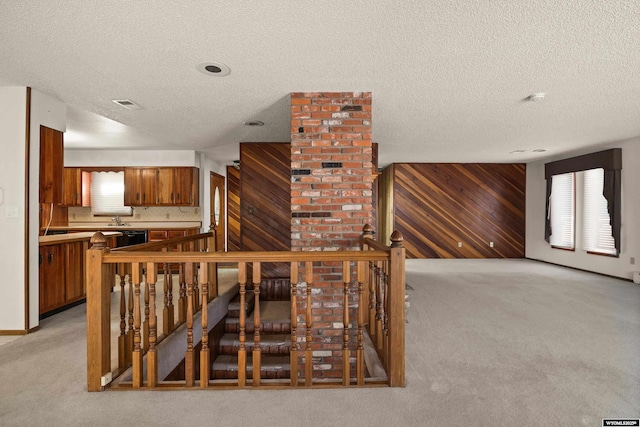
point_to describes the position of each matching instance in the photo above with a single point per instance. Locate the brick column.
(331, 199)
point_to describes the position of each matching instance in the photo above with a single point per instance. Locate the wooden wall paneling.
(385, 206)
(233, 209)
(440, 204)
(265, 201)
(51, 161)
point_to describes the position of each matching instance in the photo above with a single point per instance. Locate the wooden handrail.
(233, 257)
(162, 243)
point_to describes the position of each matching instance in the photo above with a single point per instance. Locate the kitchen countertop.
(73, 237)
(150, 225)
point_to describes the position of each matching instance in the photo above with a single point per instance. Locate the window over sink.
(107, 194)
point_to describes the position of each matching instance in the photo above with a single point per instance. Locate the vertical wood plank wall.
(265, 201)
(233, 209)
(437, 205)
(385, 206)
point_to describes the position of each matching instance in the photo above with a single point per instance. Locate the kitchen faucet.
(117, 220)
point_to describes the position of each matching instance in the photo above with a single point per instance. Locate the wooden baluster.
(169, 295)
(308, 357)
(362, 271)
(165, 308)
(346, 366)
(196, 290)
(145, 325)
(122, 339)
(205, 366)
(379, 314)
(372, 300)
(189, 364)
(367, 233)
(385, 316)
(182, 300)
(242, 355)
(256, 325)
(396, 290)
(130, 332)
(136, 358)
(293, 353)
(152, 354)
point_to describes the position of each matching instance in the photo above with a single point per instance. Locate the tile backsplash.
(141, 214)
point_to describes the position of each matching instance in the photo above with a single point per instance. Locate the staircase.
(275, 335)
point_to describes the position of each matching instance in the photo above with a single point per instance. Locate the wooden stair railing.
(376, 275)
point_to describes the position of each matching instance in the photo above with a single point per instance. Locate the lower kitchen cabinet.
(61, 275)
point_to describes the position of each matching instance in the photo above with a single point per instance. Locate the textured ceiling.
(449, 78)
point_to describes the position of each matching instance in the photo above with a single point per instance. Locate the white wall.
(13, 116)
(76, 158)
(13, 210)
(537, 248)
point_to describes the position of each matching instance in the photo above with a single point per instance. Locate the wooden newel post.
(367, 233)
(396, 295)
(98, 313)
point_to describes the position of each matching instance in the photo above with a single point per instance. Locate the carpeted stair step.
(274, 318)
(269, 343)
(271, 367)
(233, 309)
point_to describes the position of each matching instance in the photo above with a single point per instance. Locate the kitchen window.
(107, 194)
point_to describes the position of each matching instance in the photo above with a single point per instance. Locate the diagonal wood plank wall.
(233, 209)
(265, 200)
(437, 205)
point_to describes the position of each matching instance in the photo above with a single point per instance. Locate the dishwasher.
(131, 237)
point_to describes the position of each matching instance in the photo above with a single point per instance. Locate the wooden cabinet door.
(166, 193)
(183, 186)
(74, 272)
(132, 186)
(72, 187)
(51, 161)
(149, 187)
(52, 288)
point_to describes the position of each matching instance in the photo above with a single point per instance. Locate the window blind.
(561, 211)
(107, 194)
(596, 224)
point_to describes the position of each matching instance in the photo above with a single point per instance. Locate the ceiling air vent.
(127, 103)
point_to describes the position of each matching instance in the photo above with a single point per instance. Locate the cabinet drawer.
(176, 233)
(157, 235)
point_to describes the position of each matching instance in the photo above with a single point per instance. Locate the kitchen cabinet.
(140, 186)
(61, 275)
(52, 279)
(162, 186)
(51, 160)
(76, 187)
(74, 271)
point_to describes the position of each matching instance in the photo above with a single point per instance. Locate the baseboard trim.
(581, 269)
(13, 332)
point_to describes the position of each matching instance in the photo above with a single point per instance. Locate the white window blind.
(561, 211)
(107, 194)
(596, 225)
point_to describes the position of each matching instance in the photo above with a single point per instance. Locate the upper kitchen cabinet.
(140, 187)
(76, 186)
(51, 160)
(164, 186)
(178, 186)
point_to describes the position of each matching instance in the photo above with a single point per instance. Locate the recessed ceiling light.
(537, 97)
(127, 103)
(254, 123)
(216, 69)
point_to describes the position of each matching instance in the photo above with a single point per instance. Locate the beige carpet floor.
(489, 343)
